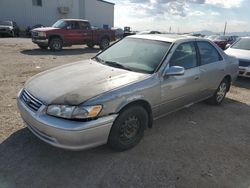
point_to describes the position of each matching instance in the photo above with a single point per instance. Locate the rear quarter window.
(208, 53)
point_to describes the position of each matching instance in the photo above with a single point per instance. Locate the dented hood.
(45, 29)
(75, 83)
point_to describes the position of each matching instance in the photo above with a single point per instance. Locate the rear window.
(208, 53)
(243, 44)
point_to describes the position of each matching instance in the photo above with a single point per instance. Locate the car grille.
(34, 34)
(244, 63)
(30, 101)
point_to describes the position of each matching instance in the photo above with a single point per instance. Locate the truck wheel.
(55, 44)
(13, 33)
(104, 43)
(128, 128)
(220, 93)
(90, 45)
(43, 47)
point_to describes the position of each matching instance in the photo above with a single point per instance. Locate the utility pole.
(225, 28)
(170, 29)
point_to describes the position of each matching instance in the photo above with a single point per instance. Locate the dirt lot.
(201, 146)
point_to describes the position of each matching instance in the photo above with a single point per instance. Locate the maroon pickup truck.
(67, 32)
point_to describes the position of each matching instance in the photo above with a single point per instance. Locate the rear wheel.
(56, 44)
(220, 93)
(128, 129)
(104, 43)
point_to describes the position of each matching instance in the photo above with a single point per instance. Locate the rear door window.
(184, 56)
(73, 25)
(84, 25)
(208, 53)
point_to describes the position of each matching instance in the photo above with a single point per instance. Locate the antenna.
(225, 28)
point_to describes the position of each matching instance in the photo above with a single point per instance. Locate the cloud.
(179, 7)
(225, 3)
(214, 13)
(196, 13)
(182, 15)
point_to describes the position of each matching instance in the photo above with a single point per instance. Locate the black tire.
(12, 33)
(43, 47)
(128, 128)
(104, 43)
(90, 45)
(220, 93)
(55, 44)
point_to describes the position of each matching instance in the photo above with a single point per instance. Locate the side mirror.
(227, 46)
(174, 71)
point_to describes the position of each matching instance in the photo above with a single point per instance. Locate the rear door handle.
(196, 78)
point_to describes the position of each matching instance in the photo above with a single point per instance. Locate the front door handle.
(196, 78)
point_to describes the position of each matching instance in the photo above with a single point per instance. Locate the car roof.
(247, 37)
(168, 37)
(78, 20)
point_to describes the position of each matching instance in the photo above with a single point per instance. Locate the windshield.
(139, 55)
(60, 24)
(7, 23)
(243, 44)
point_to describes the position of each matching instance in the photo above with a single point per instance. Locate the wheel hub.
(129, 128)
(221, 92)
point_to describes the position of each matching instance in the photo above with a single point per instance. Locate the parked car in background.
(67, 32)
(9, 28)
(222, 41)
(148, 32)
(118, 32)
(28, 29)
(128, 32)
(114, 96)
(241, 50)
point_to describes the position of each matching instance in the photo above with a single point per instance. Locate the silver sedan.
(113, 97)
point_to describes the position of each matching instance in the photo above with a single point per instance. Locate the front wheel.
(55, 44)
(90, 45)
(128, 129)
(104, 43)
(43, 47)
(220, 93)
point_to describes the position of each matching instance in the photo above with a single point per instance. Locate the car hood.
(75, 83)
(238, 53)
(45, 29)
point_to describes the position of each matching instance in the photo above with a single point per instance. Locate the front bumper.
(244, 71)
(66, 134)
(40, 41)
(6, 31)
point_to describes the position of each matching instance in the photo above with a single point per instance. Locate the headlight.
(41, 34)
(74, 112)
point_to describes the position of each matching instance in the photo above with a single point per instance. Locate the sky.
(183, 15)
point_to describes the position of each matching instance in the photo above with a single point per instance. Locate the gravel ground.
(200, 146)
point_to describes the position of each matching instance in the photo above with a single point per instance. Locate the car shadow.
(179, 149)
(64, 52)
(242, 82)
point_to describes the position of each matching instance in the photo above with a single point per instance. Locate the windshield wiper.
(98, 59)
(117, 65)
(112, 63)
